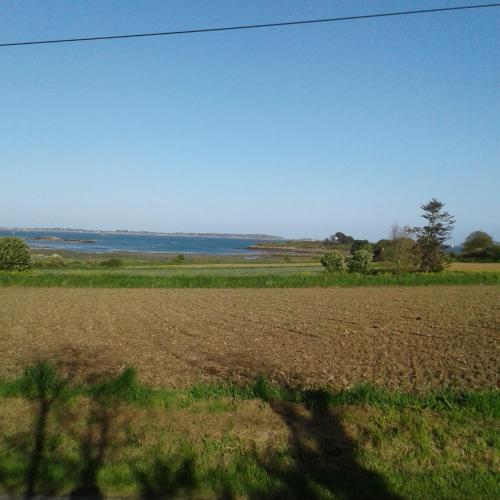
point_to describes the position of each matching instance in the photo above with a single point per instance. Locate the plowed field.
(393, 336)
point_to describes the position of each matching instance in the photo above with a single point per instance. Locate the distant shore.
(131, 255)
(292, 246)
(244, 236)
(57, 238)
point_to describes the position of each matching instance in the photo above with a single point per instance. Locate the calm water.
(135, 243)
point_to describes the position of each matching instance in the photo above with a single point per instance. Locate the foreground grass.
(118, 280)
(43, 378)
(119, 437)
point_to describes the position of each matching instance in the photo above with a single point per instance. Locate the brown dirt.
(394, 336)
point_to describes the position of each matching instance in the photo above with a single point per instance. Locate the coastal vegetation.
(15, 255)
(399, 260)
(334, 262)
(360, 261)
(406, 251)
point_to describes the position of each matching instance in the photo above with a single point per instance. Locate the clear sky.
(300, 131)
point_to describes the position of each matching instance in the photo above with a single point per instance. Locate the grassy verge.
(115, 280)
(126, 387)
(119, 437)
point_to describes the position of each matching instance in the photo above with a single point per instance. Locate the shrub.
(334, 262)
(360, 245)
(112, 262)
(44, 262)
(360, 262)
(180, 258)
(15, 254)
(401, 251)
(56, 261)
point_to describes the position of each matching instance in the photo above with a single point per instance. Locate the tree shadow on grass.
(325, 457)
(66, 445)
(321, 460)
(167, 478)
(35, 461)
(93, 446)
(44, 388)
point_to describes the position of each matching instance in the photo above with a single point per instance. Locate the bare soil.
(398, 337)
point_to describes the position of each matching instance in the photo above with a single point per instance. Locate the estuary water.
(112, 242)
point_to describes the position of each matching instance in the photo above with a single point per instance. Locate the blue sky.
(300, 131)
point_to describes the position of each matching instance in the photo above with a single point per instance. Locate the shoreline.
(125, 232)
(42, 253)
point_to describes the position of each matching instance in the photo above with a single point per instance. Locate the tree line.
(408, 248)
(420, 248)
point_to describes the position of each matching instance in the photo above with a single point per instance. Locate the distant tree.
(477, 241)
(15, 254)
(431, 237)
(493, 253)
(334, 262)
(360, 261)
(479, 246)
(340, 238)
(400, 251)
(361, 245)
(380, 250)
(344, 239)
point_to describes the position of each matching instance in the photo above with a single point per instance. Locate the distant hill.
(243, 236)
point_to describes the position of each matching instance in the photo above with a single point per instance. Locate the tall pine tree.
(431, 237)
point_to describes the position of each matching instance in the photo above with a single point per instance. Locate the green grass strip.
(111, 280)
(43, 381)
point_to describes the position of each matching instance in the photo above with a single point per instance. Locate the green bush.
(15, 254)
(360, 245)
(334, 262)
(54, 261)
(112, 262)
(360, 262)
(180, 258)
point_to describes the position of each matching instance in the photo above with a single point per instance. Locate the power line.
(253, 26)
